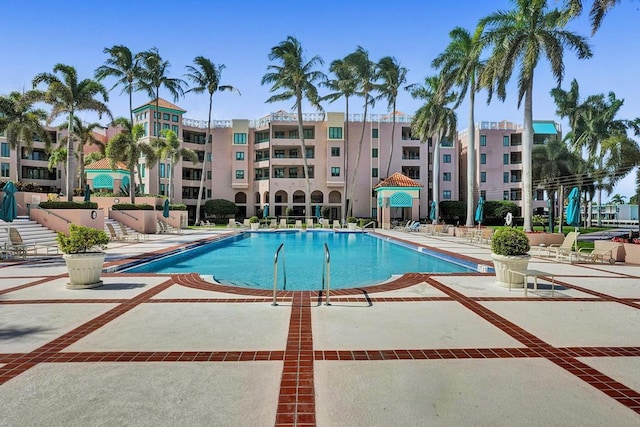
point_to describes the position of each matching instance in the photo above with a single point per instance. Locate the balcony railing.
(202, 124)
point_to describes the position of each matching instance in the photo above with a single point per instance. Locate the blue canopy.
(87, 193)
(265, 211)
(9, 208)
(480, 211)
(165, 209)
(432, 212)
(573, 208)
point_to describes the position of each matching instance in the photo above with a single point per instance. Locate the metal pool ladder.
(326, 270)
(275, 273)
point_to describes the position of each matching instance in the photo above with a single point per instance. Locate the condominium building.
(499, 160)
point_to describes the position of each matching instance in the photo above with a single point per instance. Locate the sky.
(240, 34)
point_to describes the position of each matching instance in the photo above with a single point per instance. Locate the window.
(374, 172)
(505, 177)
(209, 193)
(335, 133)
(446, 176)
(293, 153)
(208, 157)
(310, 171)
(293, 134)
(505, 141)
(335, 171)
(483, 158)
(239, 155)
(4, 170)
(505, 195)
(374, 153)
(483, 140)
(446, 195)
(483, 194)
(166, 126)
(142, 170)
(278, 172)
(445, 142)
(165, 116)
(335, 151)
(4, 150)
(310, 153)
(145, 127)
(483, 177)
(278, 134)
(161, 189)
(293, 172)
(262, 136)
(239, 174)
(505, 159)
(278, 154)
(209, 175)
(308, 133)
(239, 138)
(446, 158)
(174, 128)
(174, 118)
(374, 133)
(162, 170)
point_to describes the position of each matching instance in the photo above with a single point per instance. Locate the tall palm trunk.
(204, 162)
(527, 145)
(345, 203)
(393, 133)
(132, 184)
(169, 192)
(69, 184)
(307, 199)
(471, 158)
(355, 167)
(18, 162)
(435, 185)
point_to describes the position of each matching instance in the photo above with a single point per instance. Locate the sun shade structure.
(9, 208)
(573, 208)
(480, 211)
(432, 212)
(165, 208)
(400, 192)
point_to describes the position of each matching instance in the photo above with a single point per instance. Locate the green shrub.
(68, 205)
(254, 219)
(132, 207)
(220, 208)
(510, 241)
(82, 239)
(173, 207)
(352, 220)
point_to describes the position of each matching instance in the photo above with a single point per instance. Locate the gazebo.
(100, 176)
(397, 191)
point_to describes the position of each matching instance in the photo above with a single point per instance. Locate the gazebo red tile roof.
(398, 180)
(162, 103)
(106, 164)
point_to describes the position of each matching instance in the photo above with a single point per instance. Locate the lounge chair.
(283, 223)
(412, 227)
(17, 246)
(246, 223)
(309, 223)
(113, 236)
(566, 248)
(165, 228)
(298, 223)
(336, 224)
(602, 254)
(128, 236)
(232, 223)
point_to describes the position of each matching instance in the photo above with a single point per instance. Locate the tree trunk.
(69, 186)
(436, 175)
(345, 204)
(355, 167)
(132, 185)
(307, 199)
(204, 162)
(18, 162)
(527, 146)
(393, 132)
(471, 160)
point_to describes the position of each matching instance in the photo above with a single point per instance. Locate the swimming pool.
(357, 259)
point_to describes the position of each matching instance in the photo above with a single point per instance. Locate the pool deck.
(418, 350)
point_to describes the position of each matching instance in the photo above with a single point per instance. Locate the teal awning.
(548, 128)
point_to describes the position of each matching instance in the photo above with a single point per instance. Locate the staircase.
(32, 233)
(116, 227)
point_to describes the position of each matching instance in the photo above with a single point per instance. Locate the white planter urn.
(254, 225)
(84, 269)
(503, 264)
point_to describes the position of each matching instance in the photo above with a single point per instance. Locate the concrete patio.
(420, 349)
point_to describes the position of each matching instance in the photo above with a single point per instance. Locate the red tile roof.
(398, 180)
(105, 164)
(162, 103)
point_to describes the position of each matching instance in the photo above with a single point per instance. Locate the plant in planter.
(510, 252)
(255, 222)
(352, 222)
(82, 250)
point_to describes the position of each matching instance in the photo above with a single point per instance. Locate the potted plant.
(352, 222)
(82, 250)
(254, 221)
(510, 252)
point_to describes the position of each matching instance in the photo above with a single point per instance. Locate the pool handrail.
(326, 270)
(368, 224)
(275, 273)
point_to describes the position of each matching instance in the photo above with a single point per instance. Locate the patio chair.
(309, 223)
(128, 236)
(566, 248)
(113, 236)
(246, 223)
(283, 223)
(600, 254)
(298, 223)
(336, 224)
(426, 229)
(17, 246)
(412, 227)
(232, 223)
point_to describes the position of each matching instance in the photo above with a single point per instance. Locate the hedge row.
(68, 205)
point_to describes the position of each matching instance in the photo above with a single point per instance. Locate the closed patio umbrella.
(165, 208)
(317, 211)
(265, 211)
(87, 193)
(573, 208)
(480, 211)
(432, 212)
(9, 208)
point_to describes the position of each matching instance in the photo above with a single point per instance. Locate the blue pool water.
(357, 259)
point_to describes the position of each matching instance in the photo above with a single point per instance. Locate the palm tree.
(599, 9)
(434, 118)
(153, 75)
(460, 64)
(172, 150)
(553, 164)
(205, 75)
(57, 156)
(295, 78)
(85, 136)
(519, 38)
(67, 95)
(617, 199)
(21, 122)
(124, 66)
(345, 84)
(392, 76)
(127, 147)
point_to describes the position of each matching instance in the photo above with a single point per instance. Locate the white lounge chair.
(566, 248)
